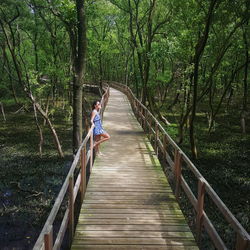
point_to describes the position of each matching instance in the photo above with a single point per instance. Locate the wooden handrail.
(82, 158)
(153, 127)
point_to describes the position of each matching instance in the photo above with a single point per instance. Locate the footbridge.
(128, 203)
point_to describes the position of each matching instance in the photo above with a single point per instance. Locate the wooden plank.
(127, 181)
(125, 175)
(161, 228)
(131, 216)
(129, 206)
(132, 167)
(134, 247)
(135, 241)
(218, 242)
(126, 194)
(125, 185)
(127, 189)
(141, 196)
(226, 212)
(134, 201)
(131, 211)
(135, 179)
(137, 234)
(61, 232)
(128, 221)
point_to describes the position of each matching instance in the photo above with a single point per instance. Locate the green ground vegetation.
(30, 182)
(224, 156)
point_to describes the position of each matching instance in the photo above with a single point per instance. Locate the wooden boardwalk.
(129, 203)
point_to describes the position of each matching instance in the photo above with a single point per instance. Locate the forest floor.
(30, 183)
(223, 159)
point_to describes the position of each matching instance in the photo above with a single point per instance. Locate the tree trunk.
(245, 92)
(2, 110)
(200, 46)
(79, 64)
(40, 145)
(100, 69)
(10, 76)
(46, 109)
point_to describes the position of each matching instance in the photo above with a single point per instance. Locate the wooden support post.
(141, 118)
(136, 110)
(177, 170)
(156, 138)
(91, 152)
(145, 120)
(200, 208)
(71, 209)
(83, 172)
(164, 145)
(48, 238)
(242, 244)
(150, 129)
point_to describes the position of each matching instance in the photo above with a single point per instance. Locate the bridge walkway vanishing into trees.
(128, 203)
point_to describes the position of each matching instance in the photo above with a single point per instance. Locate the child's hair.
(94, 103)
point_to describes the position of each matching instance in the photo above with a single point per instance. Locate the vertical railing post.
(71, 208)
(242, 244)
(83, 172)
(91, 151)
(156, 137)
(136, 110)
(177, 172)
(164, 142)
(200, 208)
(141, 118)
(48, 238)
(145, 120)
(150, 128)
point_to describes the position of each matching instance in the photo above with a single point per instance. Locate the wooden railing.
(177, 159)
(83, 157)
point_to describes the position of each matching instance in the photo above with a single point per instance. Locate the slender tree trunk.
(79, 64)
(195, 75)
(245, 92)
(210, 114)
(46, 109)
(100, 69)
(52, 129)
(40, 145)
(2, 110)
(10, 75)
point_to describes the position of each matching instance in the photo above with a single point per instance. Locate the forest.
(186, 61)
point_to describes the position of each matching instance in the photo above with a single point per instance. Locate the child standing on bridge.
(98, 131)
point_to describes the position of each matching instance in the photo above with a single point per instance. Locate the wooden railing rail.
(176, 158)
(82, 158)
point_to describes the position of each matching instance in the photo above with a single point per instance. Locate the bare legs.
(99, 140)
(96, 146)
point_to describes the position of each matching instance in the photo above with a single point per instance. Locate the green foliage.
(153, 52)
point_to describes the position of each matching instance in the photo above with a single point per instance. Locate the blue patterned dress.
(98, 129)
